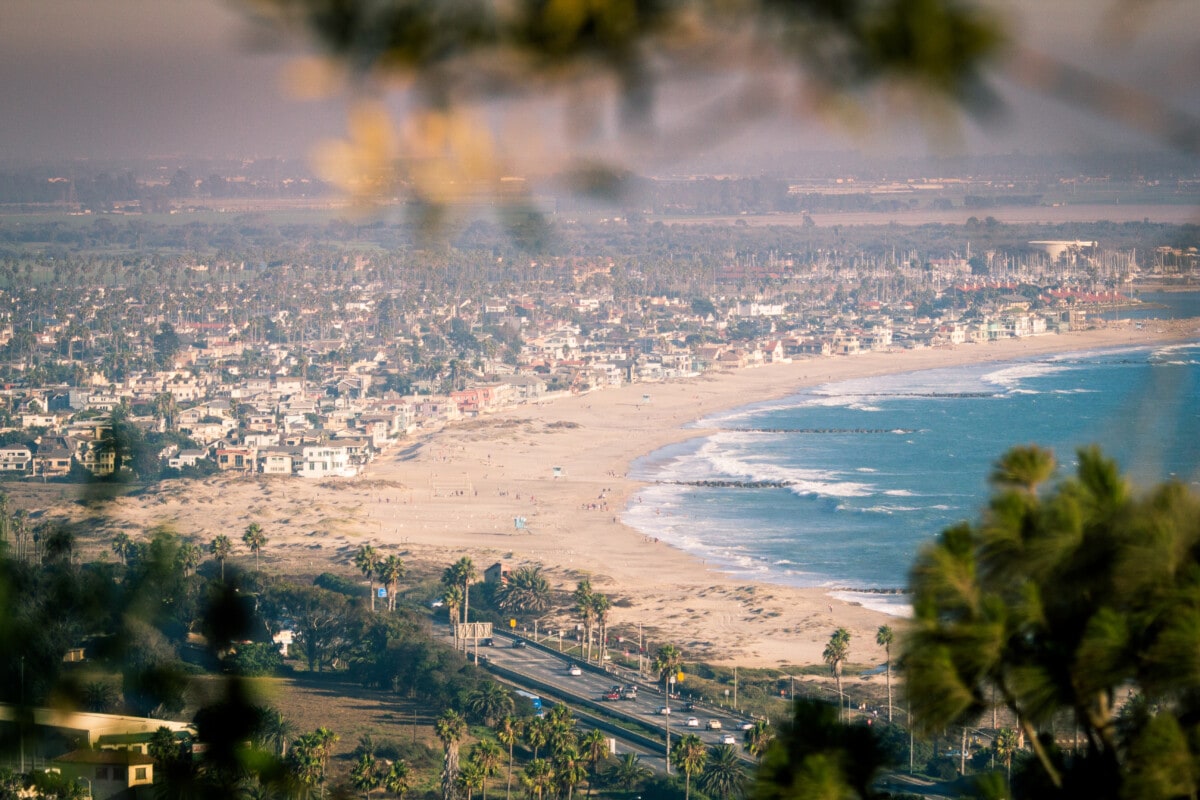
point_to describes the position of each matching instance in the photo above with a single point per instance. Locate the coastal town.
(291, 371)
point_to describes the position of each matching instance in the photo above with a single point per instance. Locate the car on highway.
(664, 709)
(629, 692)
(692, 722)
(728, 738)
(611, 696)
(713, 725)
(574, 670)
(519, 643)
(746, 724)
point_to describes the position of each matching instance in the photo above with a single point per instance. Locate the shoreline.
(457, 491)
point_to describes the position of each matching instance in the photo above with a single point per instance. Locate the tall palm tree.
(221, 547)
(390, 571)
(450, 727)
(538, 777)
(367, 559)
(569, 770)
(490, 702)
(689, 755)
(629, 772)
(884, 638)
(723, 776)
(452, 597)
(1005, 745)
(488, 756)
(470, 777)
(595, 750)
(587, 612)
(123, 546)
(666, 663)
(189, 557)
(601, 606)
(560, 730)
(462, 574)
(525, 592)
(398, 779)
(255, 539)
(537, 733)
(508, 731)
(835, 656)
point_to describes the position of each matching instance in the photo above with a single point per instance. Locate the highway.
(543, 671)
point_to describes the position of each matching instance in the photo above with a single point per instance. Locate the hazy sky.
(126, 78)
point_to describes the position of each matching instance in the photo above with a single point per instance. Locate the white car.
(746, 725)
(664, 710)
(728, 738)
(692, 722)
(574, 670)
(713, 725)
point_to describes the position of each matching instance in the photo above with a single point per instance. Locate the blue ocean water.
(876, 467)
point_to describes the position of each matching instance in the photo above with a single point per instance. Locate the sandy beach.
(437, 496)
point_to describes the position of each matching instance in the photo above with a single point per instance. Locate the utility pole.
(735, 689)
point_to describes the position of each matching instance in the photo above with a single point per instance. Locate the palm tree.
(689, 755)
(629, 772)
(1005, 745)
(366, 559)
(595, 750)
(835, 655)
(488, 756)
(759, 738)
(1023, 468)
(452, 597)
(537, 733)
(189, 557)
(525, 592)
(398, 780)
(365, 775)
(462, 573)
(601, 605)
(490, 701)
(723, 776)
(123, 546)
(560, 728)
(884, 638)
(507, 733)
(538, 777)
(470, 777)
(569, 770)
(583, 604)
(450, 728)
(220, 548)
(666, 663)
(390, 571)
(255, 539)
(1027, 603)
(276, 729)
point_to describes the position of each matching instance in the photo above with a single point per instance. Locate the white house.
(326, 461)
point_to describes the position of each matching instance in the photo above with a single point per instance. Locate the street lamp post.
(670, 683)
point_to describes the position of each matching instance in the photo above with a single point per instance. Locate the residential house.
(109, 772)
(279, 460)
(16, 458)
(186, 458)
(236, 459)
(53, 457)
(326, 461)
